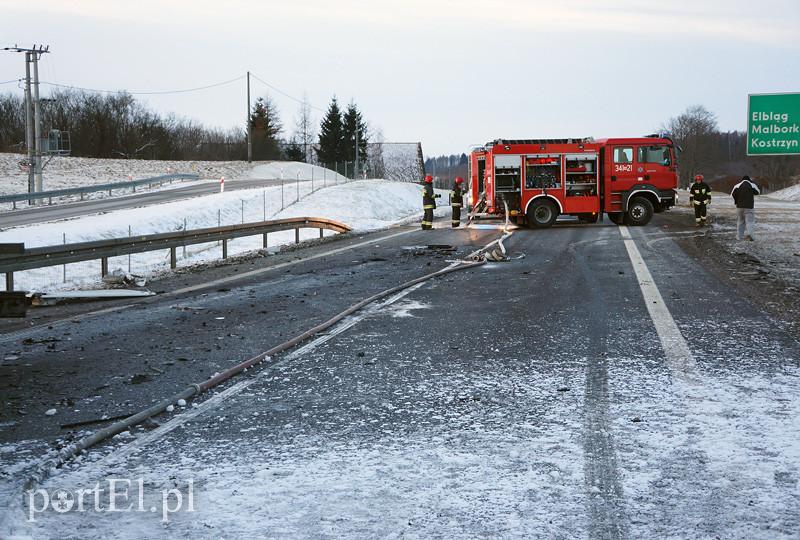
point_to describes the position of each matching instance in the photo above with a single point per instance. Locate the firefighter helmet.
(699, 178)
(428, 179)
(459, 180)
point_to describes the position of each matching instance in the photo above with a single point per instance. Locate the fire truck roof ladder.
(576, 140)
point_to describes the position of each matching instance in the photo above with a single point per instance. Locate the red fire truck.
(540, 179)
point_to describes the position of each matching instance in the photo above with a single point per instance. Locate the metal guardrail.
(12, 260)
(41, 195)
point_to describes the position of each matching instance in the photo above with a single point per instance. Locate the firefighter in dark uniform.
(457, 200)
(428, 203)
(700, 197)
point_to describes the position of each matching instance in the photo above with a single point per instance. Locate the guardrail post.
(265, 240)
(81, 195)
(9, 281)
(173, 258)
(297, 235)
(321, 232)
(224, 248)
(50, 201)
(103, 266)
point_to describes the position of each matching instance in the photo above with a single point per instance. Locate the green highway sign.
(773, 124)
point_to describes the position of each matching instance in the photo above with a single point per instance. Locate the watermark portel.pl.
(119, 495)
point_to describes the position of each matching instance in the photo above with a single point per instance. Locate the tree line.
(448, 167)
(119, 126)
(340, 132)
(721, 156)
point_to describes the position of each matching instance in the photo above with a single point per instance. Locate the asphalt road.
(550, 396)
(28, 216)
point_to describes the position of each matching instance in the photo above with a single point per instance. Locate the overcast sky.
(448, 73)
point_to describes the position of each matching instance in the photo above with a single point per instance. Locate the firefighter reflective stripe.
(428, 207)
(455, 204)
(699, 193)
(427, 219)
(428, 197)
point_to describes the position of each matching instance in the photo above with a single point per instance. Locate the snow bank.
(791, 193)
(364, 205)
(292, 170)
(66, 172)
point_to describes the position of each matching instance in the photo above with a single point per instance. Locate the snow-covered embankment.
(363, 205)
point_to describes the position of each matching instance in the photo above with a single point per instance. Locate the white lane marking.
(679, 358)
(239, 387)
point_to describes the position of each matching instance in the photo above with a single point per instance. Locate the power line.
(152, 93)
(278, 90)
(9, 82)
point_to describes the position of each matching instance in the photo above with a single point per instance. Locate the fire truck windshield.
(655, 154)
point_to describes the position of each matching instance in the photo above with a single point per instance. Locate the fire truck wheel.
(542, 213)
(640, 211)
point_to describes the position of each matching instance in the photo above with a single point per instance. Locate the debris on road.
(51, 299)
(121, 278)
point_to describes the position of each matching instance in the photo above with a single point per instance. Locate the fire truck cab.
(540, 179)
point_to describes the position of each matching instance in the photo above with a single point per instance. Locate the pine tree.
(266, 126)
(294, 151)
(330, 136)
(353, 123)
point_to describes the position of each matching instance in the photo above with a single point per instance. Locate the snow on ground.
(363, 205)
(777, 231)
(71, 172)
(292, 170)
(68, 172)
(791, 193)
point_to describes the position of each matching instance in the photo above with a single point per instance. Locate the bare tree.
(776, 170)
(694, 132)
(304, 131)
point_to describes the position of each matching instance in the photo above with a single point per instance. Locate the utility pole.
(37, 127)
(355, 167)
(29, 131)
(33, 115)
(249, 126)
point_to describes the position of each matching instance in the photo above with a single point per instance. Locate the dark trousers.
(456, 216)
(427, 219)
(700, 213)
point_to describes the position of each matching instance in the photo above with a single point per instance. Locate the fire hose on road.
(44, 469)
